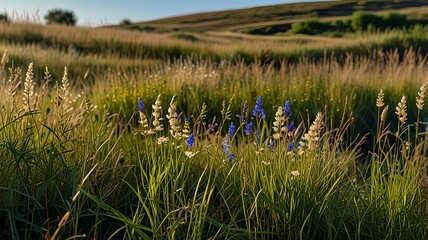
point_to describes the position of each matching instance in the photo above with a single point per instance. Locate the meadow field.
(107, 133)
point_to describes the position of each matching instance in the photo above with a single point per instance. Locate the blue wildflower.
(190, 140)
(287, 109)
(225, 146)
(291, 146)
(140, 105)
(231, 156)
(270, 144)
(244, 113)
(248, 128)
(291, 127)
(262, 114)
(187, 119)
(258, 110)
(231, 130)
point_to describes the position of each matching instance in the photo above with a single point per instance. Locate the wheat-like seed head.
(28, 89)
(379, 100)
(384, 114)
(420, 99)
(314, 130)
(279, 121)
(157, 111)
(401, 110)
(172, 116)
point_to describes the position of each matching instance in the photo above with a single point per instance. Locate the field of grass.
(116, 134)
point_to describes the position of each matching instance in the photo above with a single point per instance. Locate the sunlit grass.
(78, 161)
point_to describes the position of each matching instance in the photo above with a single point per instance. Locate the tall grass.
(103, 48)
(85, 159)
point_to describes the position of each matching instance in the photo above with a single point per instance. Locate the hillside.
(277, 16)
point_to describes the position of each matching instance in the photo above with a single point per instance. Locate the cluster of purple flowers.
(140, 105)
(258, 110)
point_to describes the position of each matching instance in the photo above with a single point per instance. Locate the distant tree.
(4, 17)
(126, 21)
(60, 16)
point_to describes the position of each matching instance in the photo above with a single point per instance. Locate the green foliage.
(59, 16)
(126, 21)
(311, 27)
(4, 17)
(394, 20)
(362, 20)
(185, 36)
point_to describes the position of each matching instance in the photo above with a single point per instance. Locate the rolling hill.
(279, 16)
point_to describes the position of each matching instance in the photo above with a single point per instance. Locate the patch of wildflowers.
(248, 128)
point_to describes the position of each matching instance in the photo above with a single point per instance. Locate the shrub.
(4, 17)
(187, 37)
(394, 20)
(60, 16)
(126, 21)
(311, 27)
(361, 20)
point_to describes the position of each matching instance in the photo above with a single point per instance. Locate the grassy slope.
(282, 14)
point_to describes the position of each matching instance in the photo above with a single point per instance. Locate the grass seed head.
(420, 99)
(379, 101)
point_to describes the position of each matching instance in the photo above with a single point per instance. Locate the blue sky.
(99, 12)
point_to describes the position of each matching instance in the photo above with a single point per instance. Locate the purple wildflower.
(140, 105)
(270, 144)
(190, 140)
(287, 109)
(244, 113)
(211, 127)
(225, 146)
(248, 128)
(291, 127)
(231, 130)
(258, 110)
(291, 146)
